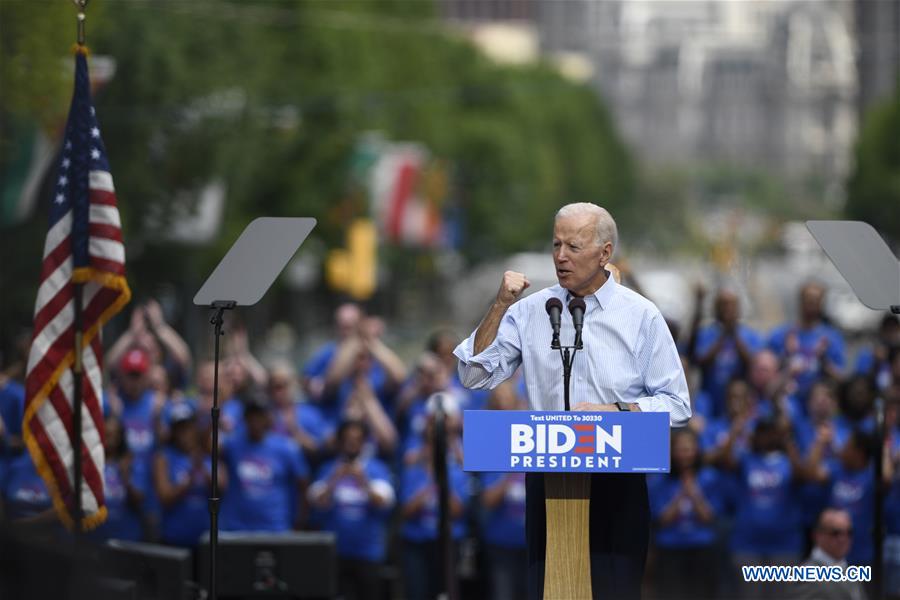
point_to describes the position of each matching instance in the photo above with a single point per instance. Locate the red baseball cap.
(135, 361)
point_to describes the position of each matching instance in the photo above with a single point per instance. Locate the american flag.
(83, 246)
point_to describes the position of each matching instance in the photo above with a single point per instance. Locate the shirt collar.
(603, 296)
(821, 556)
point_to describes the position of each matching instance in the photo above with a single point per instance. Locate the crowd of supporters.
(783, 427)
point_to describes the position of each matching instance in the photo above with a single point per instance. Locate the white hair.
(606, 230)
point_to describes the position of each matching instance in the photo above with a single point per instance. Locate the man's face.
(205, 383)
(346, 319)
(820, 404)
(579, 261)
(727, 307)
(811, 297)
(352, 442)
(133, 384)
(764, 370)
(281, 387)
(684, 451)
(834, 534)
(432, 375)
(257, 424)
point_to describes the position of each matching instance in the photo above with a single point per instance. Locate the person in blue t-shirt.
(430, 377)
(181, 475)
(852, 482)
(819, 437)
(12, 410)
(230, 405)
(139, 408)
(352, 498)
(267, 475)
(874, 361)
(347, 318)
(857, 404)
(771, 388)
(730, 434)
(768, 528)
(362, 359)
(124, 492)
(685, 504)
(149, 332)
(811, 348)
(725, 349)
(294, 417)
(136, 404)
(419, 512)
(25, 502)
(503, 504)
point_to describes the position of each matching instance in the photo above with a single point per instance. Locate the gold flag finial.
(81, 5)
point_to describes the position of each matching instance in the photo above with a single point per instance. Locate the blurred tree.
(874, 186)
(270, 98)
(36, 74)
(35, 79)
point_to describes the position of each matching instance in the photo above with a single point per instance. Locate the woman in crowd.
(353, 497)
(685, 504)
(181, 477)
(268, 475)
(125, 489)
(768, 527)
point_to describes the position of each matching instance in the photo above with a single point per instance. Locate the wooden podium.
(569, 449)
(567, 570)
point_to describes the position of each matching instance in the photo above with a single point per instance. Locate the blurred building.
(878, 32)
(768, 85)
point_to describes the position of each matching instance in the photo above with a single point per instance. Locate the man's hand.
(512, 287)
(154, 314)
(371, 329)
(138, 323)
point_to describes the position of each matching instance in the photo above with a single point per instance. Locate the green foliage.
(874, 186)
(271, 97)
(34, 41)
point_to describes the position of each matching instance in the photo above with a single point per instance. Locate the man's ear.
(606, 255)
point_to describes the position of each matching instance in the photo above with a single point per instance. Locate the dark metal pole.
(77, 367)
(216, 321)
(445, 538)
(77, 379)
(878, 517)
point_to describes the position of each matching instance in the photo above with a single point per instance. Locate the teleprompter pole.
(216, 321)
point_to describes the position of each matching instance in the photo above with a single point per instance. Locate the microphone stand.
(567, 360)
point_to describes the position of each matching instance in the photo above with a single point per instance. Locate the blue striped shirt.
(628, 355)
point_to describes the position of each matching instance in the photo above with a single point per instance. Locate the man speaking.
(629, 362)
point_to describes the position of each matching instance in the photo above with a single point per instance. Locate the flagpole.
(81, 5)
(77, 370)
(77, 378)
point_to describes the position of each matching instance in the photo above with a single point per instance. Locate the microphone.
(554, 309)
(577, 308)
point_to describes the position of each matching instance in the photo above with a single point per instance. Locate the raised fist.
(512, 287)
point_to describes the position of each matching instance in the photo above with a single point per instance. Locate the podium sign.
(565, 442)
